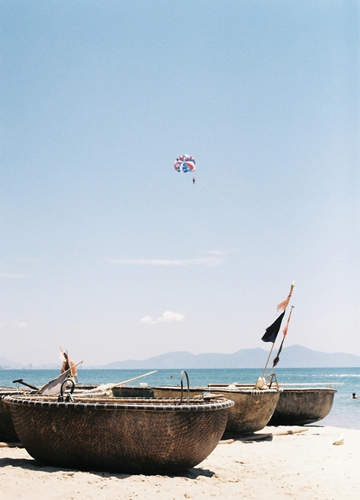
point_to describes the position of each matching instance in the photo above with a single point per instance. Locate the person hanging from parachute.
(185, 163)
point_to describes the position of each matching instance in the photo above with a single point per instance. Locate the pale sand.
(304, 465)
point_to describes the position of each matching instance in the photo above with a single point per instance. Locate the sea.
(345, 411)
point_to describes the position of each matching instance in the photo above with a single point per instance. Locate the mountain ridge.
(291, 357)
(295, 356)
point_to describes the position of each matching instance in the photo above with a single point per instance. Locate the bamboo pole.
(267, 361)
(287, 300)
(105, 387)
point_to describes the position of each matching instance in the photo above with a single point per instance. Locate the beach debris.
(227, 441)
(286, 433)
(258, 437)
(185, 163)
(339, 441)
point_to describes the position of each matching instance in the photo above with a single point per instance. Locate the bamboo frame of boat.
(119, 435)
(251, 412)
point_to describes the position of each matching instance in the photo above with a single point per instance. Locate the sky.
(109, 252)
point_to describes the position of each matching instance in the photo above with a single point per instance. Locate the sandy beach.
(302, 465)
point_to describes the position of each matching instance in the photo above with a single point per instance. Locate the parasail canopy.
(185, 163)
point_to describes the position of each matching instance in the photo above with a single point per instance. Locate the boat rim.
(166, 404)
(219, 389)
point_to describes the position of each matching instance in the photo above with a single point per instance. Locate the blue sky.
(105, 249)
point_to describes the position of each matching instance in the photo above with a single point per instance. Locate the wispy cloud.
(221, 252)
(214, 258)
(20, 324)
(166, 317)
(206, 261)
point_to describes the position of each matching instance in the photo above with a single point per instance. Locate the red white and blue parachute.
(185, 163)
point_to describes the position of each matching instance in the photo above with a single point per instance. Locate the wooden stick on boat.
(267, 361)
(110, 386)
(53, 387)
(21, 381)
(135, 378)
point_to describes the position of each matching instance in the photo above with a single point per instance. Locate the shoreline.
(290, 462)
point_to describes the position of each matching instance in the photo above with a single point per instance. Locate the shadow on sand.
(33, 465)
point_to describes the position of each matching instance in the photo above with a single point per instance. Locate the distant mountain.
(294, 356)
(5, 364)
(291, 357)
(297, 356)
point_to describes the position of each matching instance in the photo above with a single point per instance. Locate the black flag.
(272, 331)
(277, 358)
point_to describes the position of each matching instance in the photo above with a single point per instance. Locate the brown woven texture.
(302, 406)
(133, 392)
(252, 408)
(7, 429)
(125, 438)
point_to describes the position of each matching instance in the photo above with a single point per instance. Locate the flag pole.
(283, 305)
(285, 330)
(267, 361)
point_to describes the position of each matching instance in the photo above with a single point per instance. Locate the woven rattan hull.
(7, 429)
(302, 406)
(252, 408)
(119, 435)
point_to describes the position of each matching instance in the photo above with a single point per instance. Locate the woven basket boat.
(119, 435)
(252, 408)
(7, 429)
(303, 406)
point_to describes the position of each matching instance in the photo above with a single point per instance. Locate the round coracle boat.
(119, 435)
(7, 429)
(251, 412)
(303, 406)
